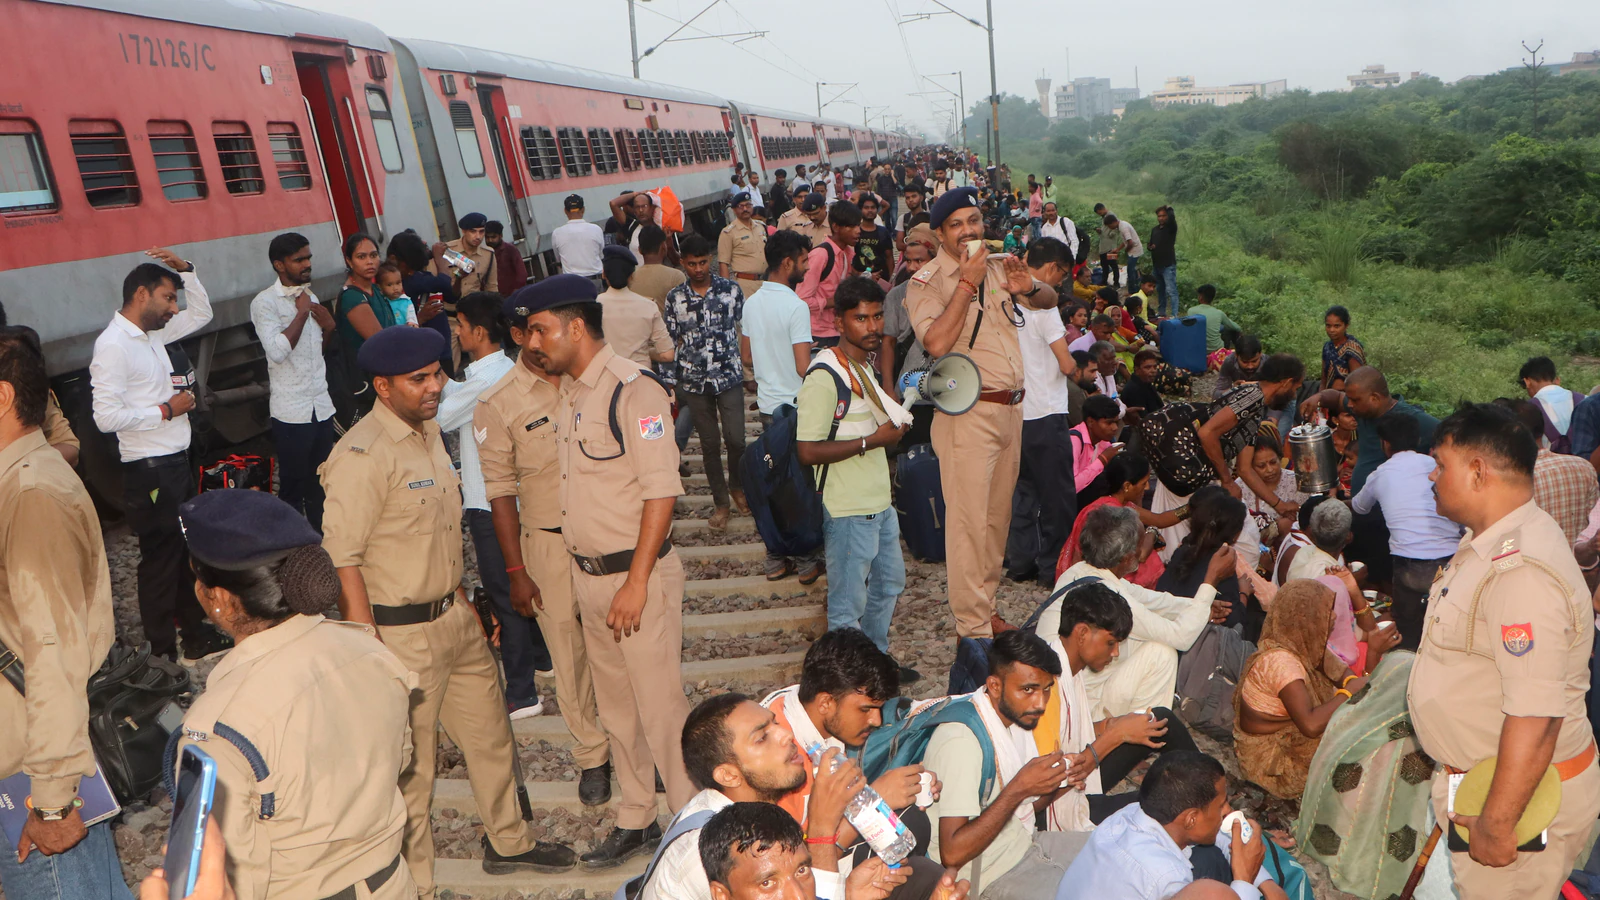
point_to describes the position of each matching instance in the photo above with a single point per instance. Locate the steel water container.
(1316, 465)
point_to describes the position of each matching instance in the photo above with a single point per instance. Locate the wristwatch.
(56, 814)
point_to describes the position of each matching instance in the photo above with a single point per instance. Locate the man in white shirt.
(1059, 227)
(1145, 674)
(291, 323)
(139, 398)
(577, 243)
(775, 342)
(1152, 850)
(1044, 503)
(483, 331)
(736, 752)
(1129, 247)
(1421, 540)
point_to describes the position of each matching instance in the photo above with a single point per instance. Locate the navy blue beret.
(473, 220)
(235, 528)
(401, 349)
(741, 197)
(617, 251)
(949, 202)
(814, 201)
(557, 290)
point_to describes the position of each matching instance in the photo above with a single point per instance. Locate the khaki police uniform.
(744, 249)
(981, 451)
(633, 325)
(325, 707)
(485, 276)
(57, 430)
(514, 424)
(1508, 632)
(604, 485)
(394, 511)
(55, 614)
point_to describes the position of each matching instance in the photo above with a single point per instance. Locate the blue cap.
(401, 349)
(617, 251)
(949, 202)
(814, 201)
(473, 220)
(558, 290)
(741, 197)
(236, 528)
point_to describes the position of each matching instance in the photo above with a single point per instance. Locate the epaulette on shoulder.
(926, 275)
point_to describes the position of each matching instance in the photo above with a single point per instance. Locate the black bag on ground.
(129, 717)
(919, 502)
(786, 508)
(1208, 672)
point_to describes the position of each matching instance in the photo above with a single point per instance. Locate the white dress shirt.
(1401, 488)
(455, 414)
(577, 245)
(131, 376)
(1062, 230)
(297, 375)
(681, 876)
(1131, 857)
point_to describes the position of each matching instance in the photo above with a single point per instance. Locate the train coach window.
(241, 166)
(669, 147)
(605, 151)
(383, 127)
(177, 160)
(289, 156)
(467, 138)
(105, 163)
(24, 180)
(652, 148)
(627, 157)
(539, 147)
(697, 146)
(574, 151)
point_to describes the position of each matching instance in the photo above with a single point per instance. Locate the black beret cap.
(401, 349)
(617, 251)
(741, 197)
(566, 289)
(814, 201)
(949, 202)
(473, 220)
(235, 528)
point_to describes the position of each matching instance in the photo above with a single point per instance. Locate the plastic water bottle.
(872, 817)
(461, 261)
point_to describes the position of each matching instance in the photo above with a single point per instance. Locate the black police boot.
(594, 785)
(544, 857)
(621, 845)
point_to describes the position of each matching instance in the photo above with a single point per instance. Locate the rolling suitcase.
(1183, 342)
(919, 501)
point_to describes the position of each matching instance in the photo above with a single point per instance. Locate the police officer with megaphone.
(967, 302)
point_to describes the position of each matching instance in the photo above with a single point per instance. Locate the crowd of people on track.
(1424, 612)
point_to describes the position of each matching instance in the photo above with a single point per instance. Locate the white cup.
(925, 795)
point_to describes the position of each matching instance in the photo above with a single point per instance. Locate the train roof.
(456, 58)
(784, 114)
(255, 16)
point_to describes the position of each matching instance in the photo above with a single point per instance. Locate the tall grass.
(1336, 255)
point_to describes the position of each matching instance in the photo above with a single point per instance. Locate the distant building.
(1042, 84)
(1087, 98)
(1584, 61)
(1373, 77)
(1180, 90)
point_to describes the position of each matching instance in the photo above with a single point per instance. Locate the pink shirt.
(1086, 462)
(1036, 204)
(817, 291)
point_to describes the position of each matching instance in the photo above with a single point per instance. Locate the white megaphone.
(951, 382)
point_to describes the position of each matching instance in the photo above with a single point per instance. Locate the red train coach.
(511, 137)
(206, 127)
(783, 139)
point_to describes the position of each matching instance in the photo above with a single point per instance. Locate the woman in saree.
(1128, 476)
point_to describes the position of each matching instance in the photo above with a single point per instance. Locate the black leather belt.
(413, 613)
(614, 563)
(180, 458)
(374, 881)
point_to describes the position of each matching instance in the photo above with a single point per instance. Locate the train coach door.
(492, 101)
(332, 141)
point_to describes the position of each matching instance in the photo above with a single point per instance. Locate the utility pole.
(633, 38)
(1533, 64)
(994, 90)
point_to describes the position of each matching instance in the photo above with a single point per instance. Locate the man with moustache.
(964, 302)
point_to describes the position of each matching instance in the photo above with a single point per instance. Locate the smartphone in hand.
(197, 788)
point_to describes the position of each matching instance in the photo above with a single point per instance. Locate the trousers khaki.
(638, 686)
(549, 565)
(460, 690)
(1531, 874)
(979, 455)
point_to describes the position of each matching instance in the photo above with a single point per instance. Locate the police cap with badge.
(401, 350)
(554, 292)
(950, 201)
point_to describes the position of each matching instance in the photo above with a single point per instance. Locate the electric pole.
(1533, 63)
(994, 90)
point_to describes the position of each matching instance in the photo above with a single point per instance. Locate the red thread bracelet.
(515, 569)
(830, 839)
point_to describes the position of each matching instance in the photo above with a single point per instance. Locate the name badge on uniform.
(419, 485)
(536, 423)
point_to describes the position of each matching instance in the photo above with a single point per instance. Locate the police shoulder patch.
(651, 428)
(1517, 639)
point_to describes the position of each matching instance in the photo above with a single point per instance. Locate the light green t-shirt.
(858, 486)
(956, 758)
(1216, 320)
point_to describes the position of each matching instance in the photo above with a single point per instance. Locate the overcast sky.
(1313, 45)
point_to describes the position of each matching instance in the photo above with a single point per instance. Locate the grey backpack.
(1207, 674)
